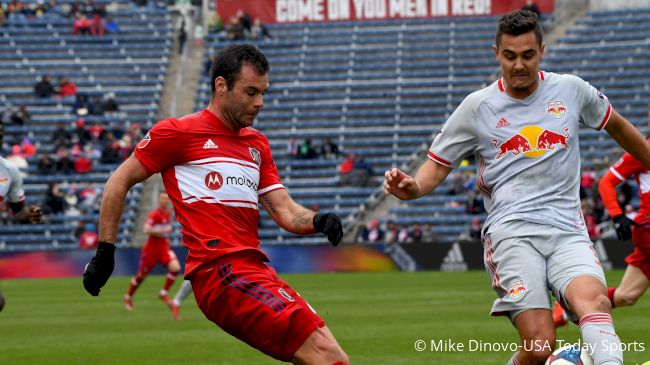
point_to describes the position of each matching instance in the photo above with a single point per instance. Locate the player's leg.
(170, 261)
(631, 288)
(182, 293)
(321, 348)
(577, 279)
(537, 336)
(517, 270)
(2, 301)
(246, 298)
(144, 267)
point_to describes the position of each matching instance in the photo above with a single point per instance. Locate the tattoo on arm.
(267, 203)
(301, 222)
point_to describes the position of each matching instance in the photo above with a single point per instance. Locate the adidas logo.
(209, 144)
(502, 123)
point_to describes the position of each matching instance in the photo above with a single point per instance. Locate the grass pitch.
(376, 317)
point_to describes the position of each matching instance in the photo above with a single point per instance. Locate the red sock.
(135, 283)
(610, 295)
(339, 363)
(171, 277)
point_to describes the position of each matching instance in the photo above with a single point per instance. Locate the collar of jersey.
(218, 124)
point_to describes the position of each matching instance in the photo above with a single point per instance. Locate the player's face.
(163, 200)
(244, 101)
(519, 57)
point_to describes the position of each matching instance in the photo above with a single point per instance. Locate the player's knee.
(602, 304)
(322, 352)
(174, 266)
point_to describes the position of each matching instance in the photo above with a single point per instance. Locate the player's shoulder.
(563, 79)
(11, 168)
(253, 133)
(478, 97)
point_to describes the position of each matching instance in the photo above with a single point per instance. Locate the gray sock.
(183, 292)
(598, 333)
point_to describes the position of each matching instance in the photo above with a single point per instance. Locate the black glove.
(100, 268)
(623, 226)
(330, 225)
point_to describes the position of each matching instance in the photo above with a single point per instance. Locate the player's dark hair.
(517, 23)
(230, 60)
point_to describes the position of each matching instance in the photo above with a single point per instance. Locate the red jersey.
(158, 218)
(214, 177)
(626, 167)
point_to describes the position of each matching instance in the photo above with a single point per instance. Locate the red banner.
(291, 11)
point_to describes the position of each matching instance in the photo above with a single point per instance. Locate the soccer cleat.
(559, 316)
(165, 298)
(176, 311)
(128, 303)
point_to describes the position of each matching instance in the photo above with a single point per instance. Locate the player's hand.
(400, 184)
(34, 215)
(100, 268)
(329, 224)
(623, 226)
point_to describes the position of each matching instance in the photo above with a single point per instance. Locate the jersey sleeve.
(16, 193)
(153, 218)
(458, 136)
(595, 108)
(626, 167)
(269, 176)
(157, 150)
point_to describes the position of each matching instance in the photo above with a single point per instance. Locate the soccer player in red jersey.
(637, 275)
(156, 250)
(216, 169)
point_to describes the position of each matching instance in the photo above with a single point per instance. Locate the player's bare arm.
(297, 219)
(128, 174)
(149, 230)
(628, 137)
(406, 187)
(288, 214)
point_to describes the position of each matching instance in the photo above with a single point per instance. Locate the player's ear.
(220, 86)
(541, 50)
(495, 48)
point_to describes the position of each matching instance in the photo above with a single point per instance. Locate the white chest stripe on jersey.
(644, 182)
(225, 181)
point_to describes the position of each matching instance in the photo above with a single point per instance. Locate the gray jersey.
(11, 183)
(526, 150)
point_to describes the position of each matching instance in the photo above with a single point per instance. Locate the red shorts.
(640, 257)
(246, 298)
(149, 259)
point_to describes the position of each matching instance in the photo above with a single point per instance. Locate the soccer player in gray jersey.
(11, 192)
(523, 130)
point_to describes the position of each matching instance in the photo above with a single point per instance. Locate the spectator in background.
(354, 171)
(215, 25)
(81, 132)
(531, 6)
(97, 26)
(16, 157)
(428, 235)
(46, 166)
(28, 148)
(88, 9)
(244, 19)
(3, 17)
(44, 88)
(20, 116)
(207, 64)
(474, 229)
(89, 239)
(292, 148)
(259, 30)
(371, 233)
(415, 235)
(474, 204)
(111, 107)
(306, 151)
(111, 26)
(96, 106)
(457, 184)
(182, 37)
(403, 236)
(64, 165)
(54, 203)
(588, 180)
(590, 220)
(83, 164)
(329, 149)
(81, 25)
(80, 106)
(67, 89)
(392, 233)
(235, 30)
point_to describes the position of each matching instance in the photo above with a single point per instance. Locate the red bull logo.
(532, 141)
(556, 108)
(517, 290)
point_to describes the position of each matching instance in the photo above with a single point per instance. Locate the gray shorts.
(526, 260)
